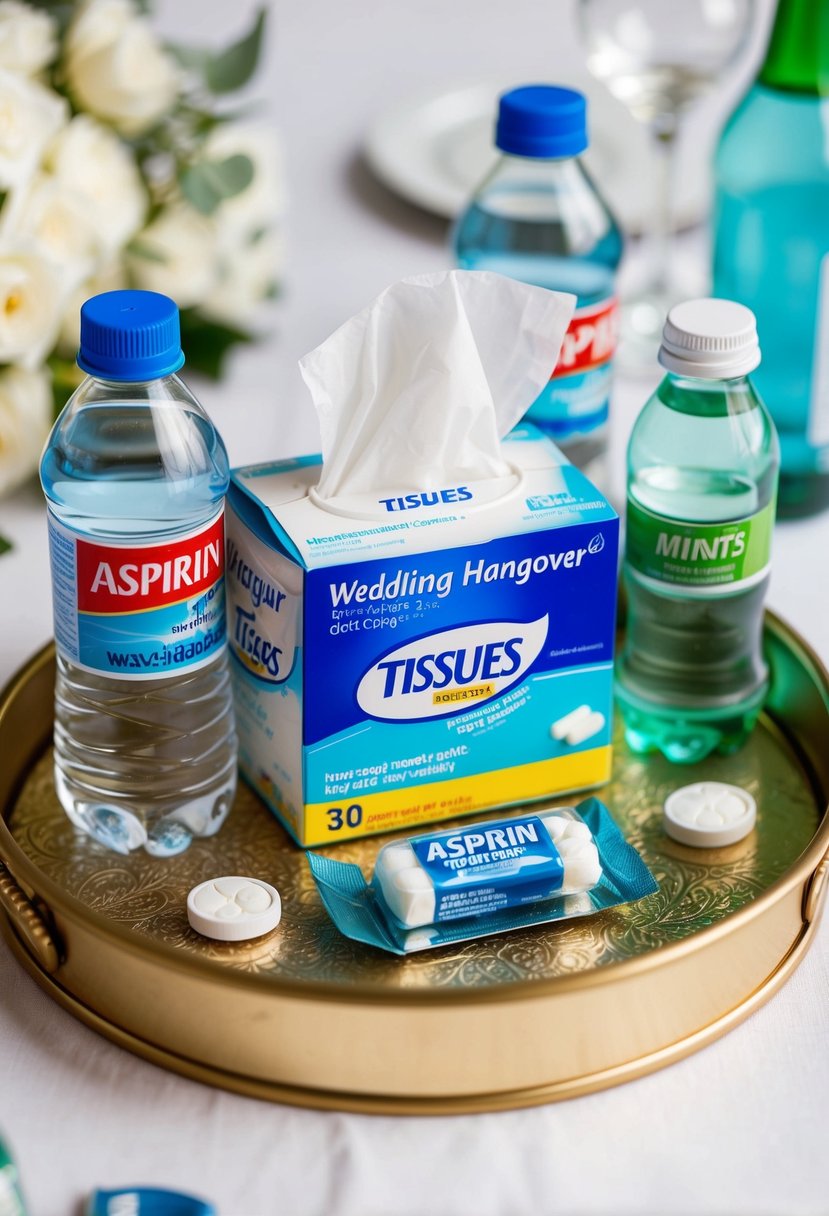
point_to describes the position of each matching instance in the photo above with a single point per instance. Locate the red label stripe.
(132, 579)
(590, 339)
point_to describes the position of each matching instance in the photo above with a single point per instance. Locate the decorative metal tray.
(306, 1016)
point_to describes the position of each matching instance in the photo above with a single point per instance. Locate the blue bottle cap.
(130, 335)
(542, 120)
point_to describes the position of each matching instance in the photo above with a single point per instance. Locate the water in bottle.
(702, 482)
(538, 217)
(771, 248)
(135, 475)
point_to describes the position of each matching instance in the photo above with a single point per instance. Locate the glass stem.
(664, 142)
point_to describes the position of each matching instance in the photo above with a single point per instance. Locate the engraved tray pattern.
(697, 887)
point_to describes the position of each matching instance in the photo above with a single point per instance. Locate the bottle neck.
(537, 168)
(797, 59)
(706, 398)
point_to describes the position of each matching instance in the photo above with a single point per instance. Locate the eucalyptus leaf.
(206, 343)
(5, 545)
(140, 249)
(193, 58)
(209, 182)
(232, 68)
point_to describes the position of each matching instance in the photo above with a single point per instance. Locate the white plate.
(434, 151)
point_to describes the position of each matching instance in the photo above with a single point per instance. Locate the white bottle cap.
(710, 339)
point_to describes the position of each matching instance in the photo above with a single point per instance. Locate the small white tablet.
(233, 909)
(709, 815)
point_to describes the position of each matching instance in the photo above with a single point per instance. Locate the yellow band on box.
(329, 822)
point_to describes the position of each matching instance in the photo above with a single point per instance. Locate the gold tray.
(308, 1017)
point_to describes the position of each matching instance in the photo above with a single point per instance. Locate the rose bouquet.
(120, 165)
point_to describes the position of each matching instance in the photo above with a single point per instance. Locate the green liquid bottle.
(702, 483)
(771, 240)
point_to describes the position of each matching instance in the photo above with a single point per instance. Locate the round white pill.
(233, 909)
(709, 815)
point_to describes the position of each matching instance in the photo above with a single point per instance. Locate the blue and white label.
(452, 669)
(489, 867)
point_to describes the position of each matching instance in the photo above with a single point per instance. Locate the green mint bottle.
(702, 484)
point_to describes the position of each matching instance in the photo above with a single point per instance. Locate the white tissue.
(416, 391)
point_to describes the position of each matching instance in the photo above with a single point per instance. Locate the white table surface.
(737, 1128)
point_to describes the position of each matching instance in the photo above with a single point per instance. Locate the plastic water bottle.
(135, 476)
(771, 248)
(538, 217)
(702, 483)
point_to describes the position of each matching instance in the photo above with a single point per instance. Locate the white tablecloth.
(735, 1129)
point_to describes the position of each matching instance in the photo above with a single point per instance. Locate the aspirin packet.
(482, 878)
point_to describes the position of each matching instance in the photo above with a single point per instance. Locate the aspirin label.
(489, 866)
(575, 401)
(139, 611)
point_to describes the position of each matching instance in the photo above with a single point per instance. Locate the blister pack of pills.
(484, 878)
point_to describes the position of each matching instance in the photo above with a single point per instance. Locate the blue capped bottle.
(135, 475)
(771, 246)
(538, 217)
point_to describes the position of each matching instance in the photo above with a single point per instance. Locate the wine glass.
(658, 57)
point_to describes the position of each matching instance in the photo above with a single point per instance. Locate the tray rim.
(312, 1098)
(57, 899)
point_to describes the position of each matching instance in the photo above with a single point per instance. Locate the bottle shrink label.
(575, 401)
(139, 611)
(699, 557)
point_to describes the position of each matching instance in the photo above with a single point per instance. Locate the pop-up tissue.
(410, 614)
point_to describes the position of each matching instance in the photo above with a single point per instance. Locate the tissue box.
(424, 655)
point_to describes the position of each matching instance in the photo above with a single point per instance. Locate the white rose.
(248, 271)
(111, 278)
(58, 224)
(25, 420)
(30, 117)
(89, 161)
(28, 38)
(116, 68)
(30, 304)
(176, 255)
(260, 203)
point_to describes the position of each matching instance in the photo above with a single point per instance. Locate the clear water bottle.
(771, 247)
(538, 217)
(135, 475)
(702, 482)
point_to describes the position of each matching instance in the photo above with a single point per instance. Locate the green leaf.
(5, 545)
(209, 182)
(140, 249)
(194, 59)
(232, 68)
(206, 343)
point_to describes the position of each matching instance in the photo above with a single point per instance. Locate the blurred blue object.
(145, 1201)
